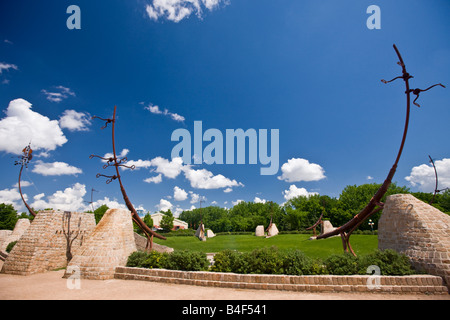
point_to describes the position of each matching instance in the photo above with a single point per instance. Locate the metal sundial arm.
(114, 162)
(346, 230)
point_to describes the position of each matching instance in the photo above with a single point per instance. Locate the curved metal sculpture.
(375, 205)
(314, 226)
(25, 158)
(114, 162)
(436, 190)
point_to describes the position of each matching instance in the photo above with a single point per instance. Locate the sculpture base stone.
(106, 248)
(43, 245)
(419, 231)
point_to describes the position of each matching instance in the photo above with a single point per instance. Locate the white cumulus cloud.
(12, 196)
(259, 200)
(297, 169)
(164, 205)
(55, 169)
(179, 194)
(204, 179)
(71, 199)
(22, 126)
(75, 121)
(294, 192)
(423, 176)
(157, 179)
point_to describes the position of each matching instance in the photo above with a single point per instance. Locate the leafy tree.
(148, 220)
(354, 198)
(99, 212)
(167, 220)
(8, 217)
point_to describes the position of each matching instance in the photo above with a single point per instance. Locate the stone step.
(401, 285)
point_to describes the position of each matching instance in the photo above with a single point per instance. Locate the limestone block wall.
(107, 247)
(43, 245)
(4, 234)
(418, 230)
(19, 229)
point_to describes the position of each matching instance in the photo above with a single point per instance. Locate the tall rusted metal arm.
(113, 161)
(25, 158)
(346, 230)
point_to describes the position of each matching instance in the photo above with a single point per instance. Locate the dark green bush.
(10, 246)
(273, 261)
(186, 260)
(390, 263)
(342, 264)
(264, 261)
(227, 261)
(297, 263)
(136, 259)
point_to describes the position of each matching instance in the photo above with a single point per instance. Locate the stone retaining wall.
(417, 284)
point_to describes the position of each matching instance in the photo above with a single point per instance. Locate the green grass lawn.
(362, 244)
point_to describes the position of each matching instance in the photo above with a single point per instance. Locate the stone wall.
(418, 230)
(43, 245)
(417, 284)
(4, 234)
(107, 247)
(19, 229)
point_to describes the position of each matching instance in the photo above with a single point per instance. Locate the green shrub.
(263, 261)
(342, 264)
(155, 260)
(273, 261)
(389, 261)
(10, 246)
(136, 259)
(227, 261)
(186, 260)
(297, 263)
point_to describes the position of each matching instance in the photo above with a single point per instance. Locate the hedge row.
(274, 261)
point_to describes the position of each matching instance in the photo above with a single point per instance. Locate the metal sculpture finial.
(115, 162)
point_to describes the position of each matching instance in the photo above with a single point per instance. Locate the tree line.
(302, 212)
(298, 213)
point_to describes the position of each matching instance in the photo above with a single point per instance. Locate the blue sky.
(310, 69)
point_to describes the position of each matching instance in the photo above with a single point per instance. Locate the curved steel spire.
(375, 205)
